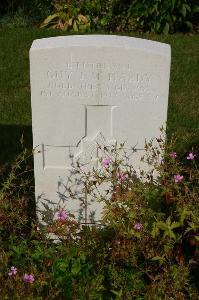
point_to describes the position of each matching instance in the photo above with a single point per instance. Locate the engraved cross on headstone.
(98, 131)
(98, 124)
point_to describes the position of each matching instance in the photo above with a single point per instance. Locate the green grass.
(15, 109)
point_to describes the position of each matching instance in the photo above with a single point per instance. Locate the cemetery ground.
(148, 248)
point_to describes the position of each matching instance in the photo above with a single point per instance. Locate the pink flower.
(12, 271)
(28, 278)
(173, 154)
(106, 162)
(138, 226)
(191, 156)
(61, 214)
(178, 178)
(121, 176)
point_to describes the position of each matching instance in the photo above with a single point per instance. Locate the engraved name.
(87, 80)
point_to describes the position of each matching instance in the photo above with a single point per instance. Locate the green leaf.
(170, 234)
(82, 27)
(175, 225)
(70, 22)
(82, 257)
(183, 214)
(75, 27)
(162, 225)
(183, 10)
(187, 7)
(157, 26)
(82, 19)
(166, 28)
(104, 21)
(158, 258)
(189, 25)
(195, 9)
(63, 16)
(49, 20)
(155, 231)
(118, 294)
(173, 4)
(76, 267)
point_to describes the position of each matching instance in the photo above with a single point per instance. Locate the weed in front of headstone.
(146, 245)
(17, 203)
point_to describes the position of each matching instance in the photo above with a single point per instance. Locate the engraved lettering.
(45, 93)
(101, 79)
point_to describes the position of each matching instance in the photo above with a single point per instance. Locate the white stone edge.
(101, 41)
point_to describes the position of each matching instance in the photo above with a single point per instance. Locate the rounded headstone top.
(94, 40)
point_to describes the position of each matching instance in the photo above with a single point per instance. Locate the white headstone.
(90, 89)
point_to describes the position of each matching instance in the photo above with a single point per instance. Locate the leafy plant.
(67, 17)
(147, 247)
(162, 16)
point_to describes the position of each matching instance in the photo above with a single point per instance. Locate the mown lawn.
(15, 109)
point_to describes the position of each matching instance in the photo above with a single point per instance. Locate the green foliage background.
(159, 16)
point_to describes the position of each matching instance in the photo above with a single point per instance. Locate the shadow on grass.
(17, 195)
(10, 145)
